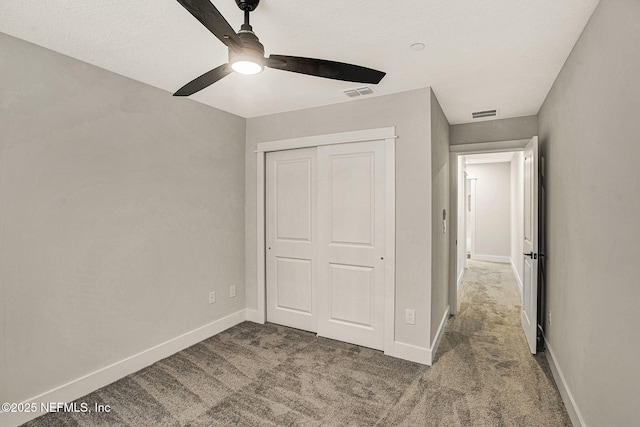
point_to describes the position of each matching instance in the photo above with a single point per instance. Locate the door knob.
(531, 255)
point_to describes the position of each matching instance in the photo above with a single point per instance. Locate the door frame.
(454, 152)
(388, 135)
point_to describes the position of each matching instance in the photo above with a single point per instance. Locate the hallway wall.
(494, 130)
(589, 133)
(440, 201)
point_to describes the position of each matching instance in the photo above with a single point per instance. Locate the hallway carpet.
(270, 375)
(484, 374)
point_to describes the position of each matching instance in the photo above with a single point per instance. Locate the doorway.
(493, 205)
(469, 223)
(487, 201)
(522, 236)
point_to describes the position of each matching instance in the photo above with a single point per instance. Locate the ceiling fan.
(246, 53)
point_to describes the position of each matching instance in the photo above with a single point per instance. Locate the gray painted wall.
(440, 201)
(495, 130)
(122, 207)
(493, 209)
(410, 113)
(589, 131)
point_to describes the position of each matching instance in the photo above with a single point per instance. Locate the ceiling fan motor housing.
(252, 49)
(249, 5)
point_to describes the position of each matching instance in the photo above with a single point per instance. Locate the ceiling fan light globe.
(246, 67)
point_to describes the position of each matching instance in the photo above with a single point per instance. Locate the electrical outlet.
(232, 291)
(410, 316)
(212, 297)
(549, 316)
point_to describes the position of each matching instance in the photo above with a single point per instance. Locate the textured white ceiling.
(501, 54)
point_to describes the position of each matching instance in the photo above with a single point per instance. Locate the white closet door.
(291, 238)
(351, 247)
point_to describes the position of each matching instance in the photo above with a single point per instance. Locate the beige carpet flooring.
(270, 375)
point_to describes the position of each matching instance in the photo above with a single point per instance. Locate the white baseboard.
(86, 384)
(439, 334)
(418, 354)
(410, 352)
(254, 316)
(492, 258)
(565, 392)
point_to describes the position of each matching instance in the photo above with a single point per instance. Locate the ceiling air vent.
(364, 90)
(481, 114)
(352, 93)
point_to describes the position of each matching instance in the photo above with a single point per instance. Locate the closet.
(325, 227)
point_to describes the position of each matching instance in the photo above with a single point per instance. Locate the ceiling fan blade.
(324, 68)
(213, 20)
(205, 80)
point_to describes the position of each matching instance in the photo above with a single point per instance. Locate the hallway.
(483, 374)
